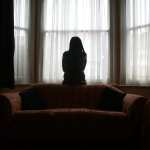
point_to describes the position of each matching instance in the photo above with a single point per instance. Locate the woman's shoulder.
(66, 53)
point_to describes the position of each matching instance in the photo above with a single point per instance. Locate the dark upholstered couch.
(88, 113)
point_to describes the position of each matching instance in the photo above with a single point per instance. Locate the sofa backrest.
(55, 96)
(63, 96)
(76, 96)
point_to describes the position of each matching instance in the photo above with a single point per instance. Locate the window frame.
(124, 33)
(77, 31)
(30, 31)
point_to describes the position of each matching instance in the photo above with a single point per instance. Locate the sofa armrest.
(133, 103)
(146, 127)
(12, 100)
(133, 106)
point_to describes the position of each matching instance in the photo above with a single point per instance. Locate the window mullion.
(115, 41)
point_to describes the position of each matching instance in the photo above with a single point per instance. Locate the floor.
(69, 147)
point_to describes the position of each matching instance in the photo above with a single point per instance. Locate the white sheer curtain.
(21, 30)
(137, 42)
(88, 19)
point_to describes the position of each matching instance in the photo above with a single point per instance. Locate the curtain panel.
(22, 31)
(136, 42)
(117, 45)
(6, 44)
(88, 19)
(56, 21)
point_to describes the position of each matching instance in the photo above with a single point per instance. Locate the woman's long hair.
(76, 45)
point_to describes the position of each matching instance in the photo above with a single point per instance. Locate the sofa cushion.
(60, 96)
(31, 100)
(71, 124)
(112, 99)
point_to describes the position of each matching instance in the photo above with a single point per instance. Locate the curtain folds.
(88, 19)
(22, 32)
(6, 44)
(137, 62)
(59, 20)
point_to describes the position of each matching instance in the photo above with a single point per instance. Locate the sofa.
(51, 113)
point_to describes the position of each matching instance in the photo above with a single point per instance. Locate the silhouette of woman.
(74, 62)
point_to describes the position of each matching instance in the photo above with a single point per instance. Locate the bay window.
(110, 56)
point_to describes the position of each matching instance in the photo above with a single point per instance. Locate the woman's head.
(76, 44)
